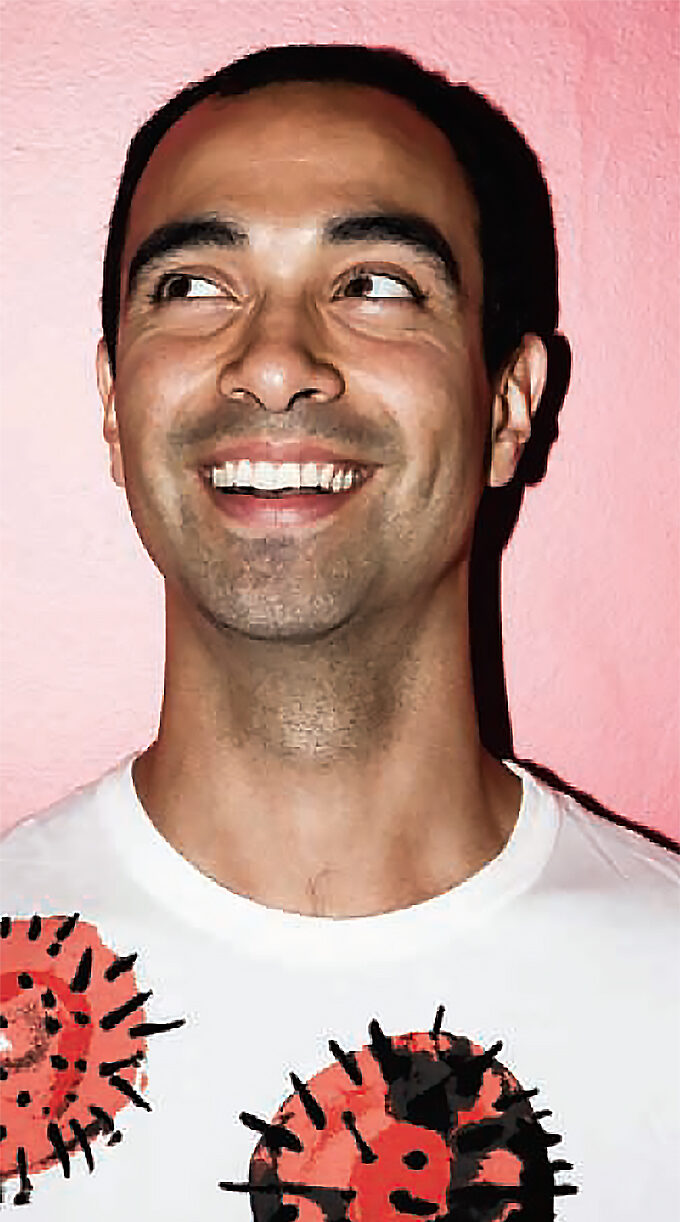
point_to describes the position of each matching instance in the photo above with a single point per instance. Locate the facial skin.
(310, 649)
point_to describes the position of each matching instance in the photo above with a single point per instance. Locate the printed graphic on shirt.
(73, 1040)
(424, 1125)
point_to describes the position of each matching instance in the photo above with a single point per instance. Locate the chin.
(272, 622)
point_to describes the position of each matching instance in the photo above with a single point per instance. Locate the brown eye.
(179, 286)
(360, 286)
(379, 286)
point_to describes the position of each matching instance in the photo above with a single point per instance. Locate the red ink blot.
(423, 1125)
(72, 1041)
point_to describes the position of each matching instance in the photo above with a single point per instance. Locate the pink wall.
(591, 592)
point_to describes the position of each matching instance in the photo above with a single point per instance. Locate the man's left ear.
(515, 401)
(107, 395)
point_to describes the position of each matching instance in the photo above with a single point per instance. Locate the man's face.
(297, 323)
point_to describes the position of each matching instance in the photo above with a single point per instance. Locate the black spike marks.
(468, 1067)
(129, 1091)
(437, 1024)
(62, 933)
(309, 1103)
(488, 1056)
(143, 1029)
(392, 1066)
(119, 965)
(110, 1067)
(105, 1121)
(83, 973)
(560, 1164)
(276, 1136)
(81, 1138)
(34, 932)
(104, 1124)
(68, 926)
(348, 1062)
(311, 1191)
(54, 1134)
(512, 1098)
(367, 1154)
(552, 1139)
(5, 927)
(107, 1021)
(23, 1196)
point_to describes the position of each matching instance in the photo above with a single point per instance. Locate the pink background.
(590, 589)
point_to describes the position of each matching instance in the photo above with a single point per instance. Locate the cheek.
(412, 377)
(435, 396)
(155, 381)
(150, 365)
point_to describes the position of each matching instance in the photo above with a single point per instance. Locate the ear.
(517, 397)
(108, 397)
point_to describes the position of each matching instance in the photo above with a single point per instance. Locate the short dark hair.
(516, 234)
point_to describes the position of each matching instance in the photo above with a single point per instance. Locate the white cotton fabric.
(565, 947)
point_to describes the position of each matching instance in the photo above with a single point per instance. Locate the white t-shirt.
(314, 1053)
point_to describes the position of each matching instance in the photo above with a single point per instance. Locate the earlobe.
(107, 395)
(515, 402)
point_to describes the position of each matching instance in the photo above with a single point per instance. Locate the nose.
(279, 361)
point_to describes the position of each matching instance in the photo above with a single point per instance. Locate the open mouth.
(273, 495)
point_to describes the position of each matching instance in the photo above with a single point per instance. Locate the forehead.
(297, 153)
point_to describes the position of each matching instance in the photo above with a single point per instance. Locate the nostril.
(307, 392)
(241, 395)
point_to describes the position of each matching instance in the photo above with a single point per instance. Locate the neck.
(342, 776)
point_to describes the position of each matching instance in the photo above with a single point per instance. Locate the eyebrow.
(181, 235)
(403, 228)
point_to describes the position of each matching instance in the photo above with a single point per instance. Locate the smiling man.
(369, 943)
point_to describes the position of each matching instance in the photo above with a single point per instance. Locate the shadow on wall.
(496, 521)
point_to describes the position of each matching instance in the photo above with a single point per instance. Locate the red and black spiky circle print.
(424, 1125)
(73, 1040)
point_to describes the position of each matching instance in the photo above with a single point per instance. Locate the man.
(316, 953)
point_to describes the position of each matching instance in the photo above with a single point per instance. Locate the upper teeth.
(273, 477)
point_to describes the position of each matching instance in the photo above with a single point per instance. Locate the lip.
(280, 452)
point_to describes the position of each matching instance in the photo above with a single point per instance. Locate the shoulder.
(39, 830)
(598, 852)
(62, 835)
(632, 851)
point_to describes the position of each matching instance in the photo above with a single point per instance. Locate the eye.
(415, 1159)
(180, 286)
(378, 286)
